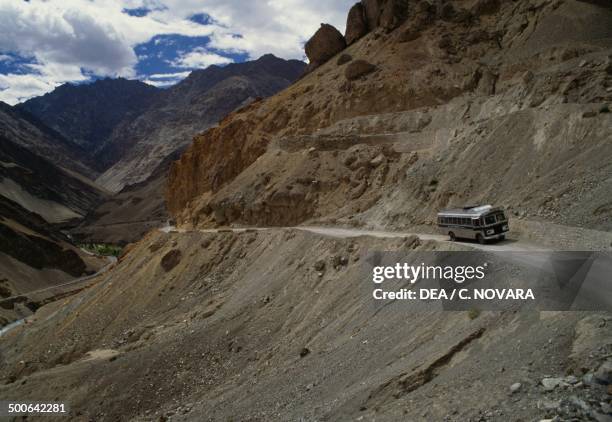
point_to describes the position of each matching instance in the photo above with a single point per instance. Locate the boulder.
(357, 69)
(171, 260)
(356, 24)
(393, 14)
(550, 384)
(320, 265)
(514, 388)
(323, 45)
(387, 14)
(373, 10)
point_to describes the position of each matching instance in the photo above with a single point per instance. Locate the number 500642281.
(16, 409)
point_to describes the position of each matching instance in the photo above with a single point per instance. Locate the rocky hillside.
(36, 199)
(249, 326)
(421, 105)
(188, 108)
(42, 190)
(28, 131)
(39, 186)
(87, 114)
(34, 255)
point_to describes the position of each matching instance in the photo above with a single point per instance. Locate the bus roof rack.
(481, 208)
(472, 211)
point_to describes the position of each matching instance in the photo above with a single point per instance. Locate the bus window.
(476, 222)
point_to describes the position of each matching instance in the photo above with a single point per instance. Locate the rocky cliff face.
(188, 108)
(87, 114)
(450, 103)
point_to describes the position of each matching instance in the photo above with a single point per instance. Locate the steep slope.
(43, 188)
(274, 326)
(439, 105)
(87, 114)
(34, 255)
(26, 130)
(188, 108)
(37, 198)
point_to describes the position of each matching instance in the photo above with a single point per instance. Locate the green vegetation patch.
(102, 249)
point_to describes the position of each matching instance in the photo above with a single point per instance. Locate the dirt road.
(507, 245)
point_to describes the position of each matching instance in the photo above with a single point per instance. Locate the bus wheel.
(480, 239)
(502, 237)
(452, 236)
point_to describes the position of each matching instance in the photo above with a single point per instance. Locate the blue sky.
(48, 43)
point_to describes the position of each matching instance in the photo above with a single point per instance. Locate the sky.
(45, 43)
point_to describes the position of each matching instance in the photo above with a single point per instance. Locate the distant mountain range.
(126, 128)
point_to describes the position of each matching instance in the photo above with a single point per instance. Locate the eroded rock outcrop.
(234, 140)
(387, 14)
(323, 45)
(356, 24)
(429, 76)
(394, 13)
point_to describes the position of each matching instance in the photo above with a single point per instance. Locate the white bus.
(482, 223)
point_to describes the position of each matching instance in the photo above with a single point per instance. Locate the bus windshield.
(495, 218)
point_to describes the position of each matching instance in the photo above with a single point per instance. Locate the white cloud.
(165, 79)
(97, 36)
(175, 75)
(199, 58)
(17, 87)
(161, 83)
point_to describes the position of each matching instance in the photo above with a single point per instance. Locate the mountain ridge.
(86, 114)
